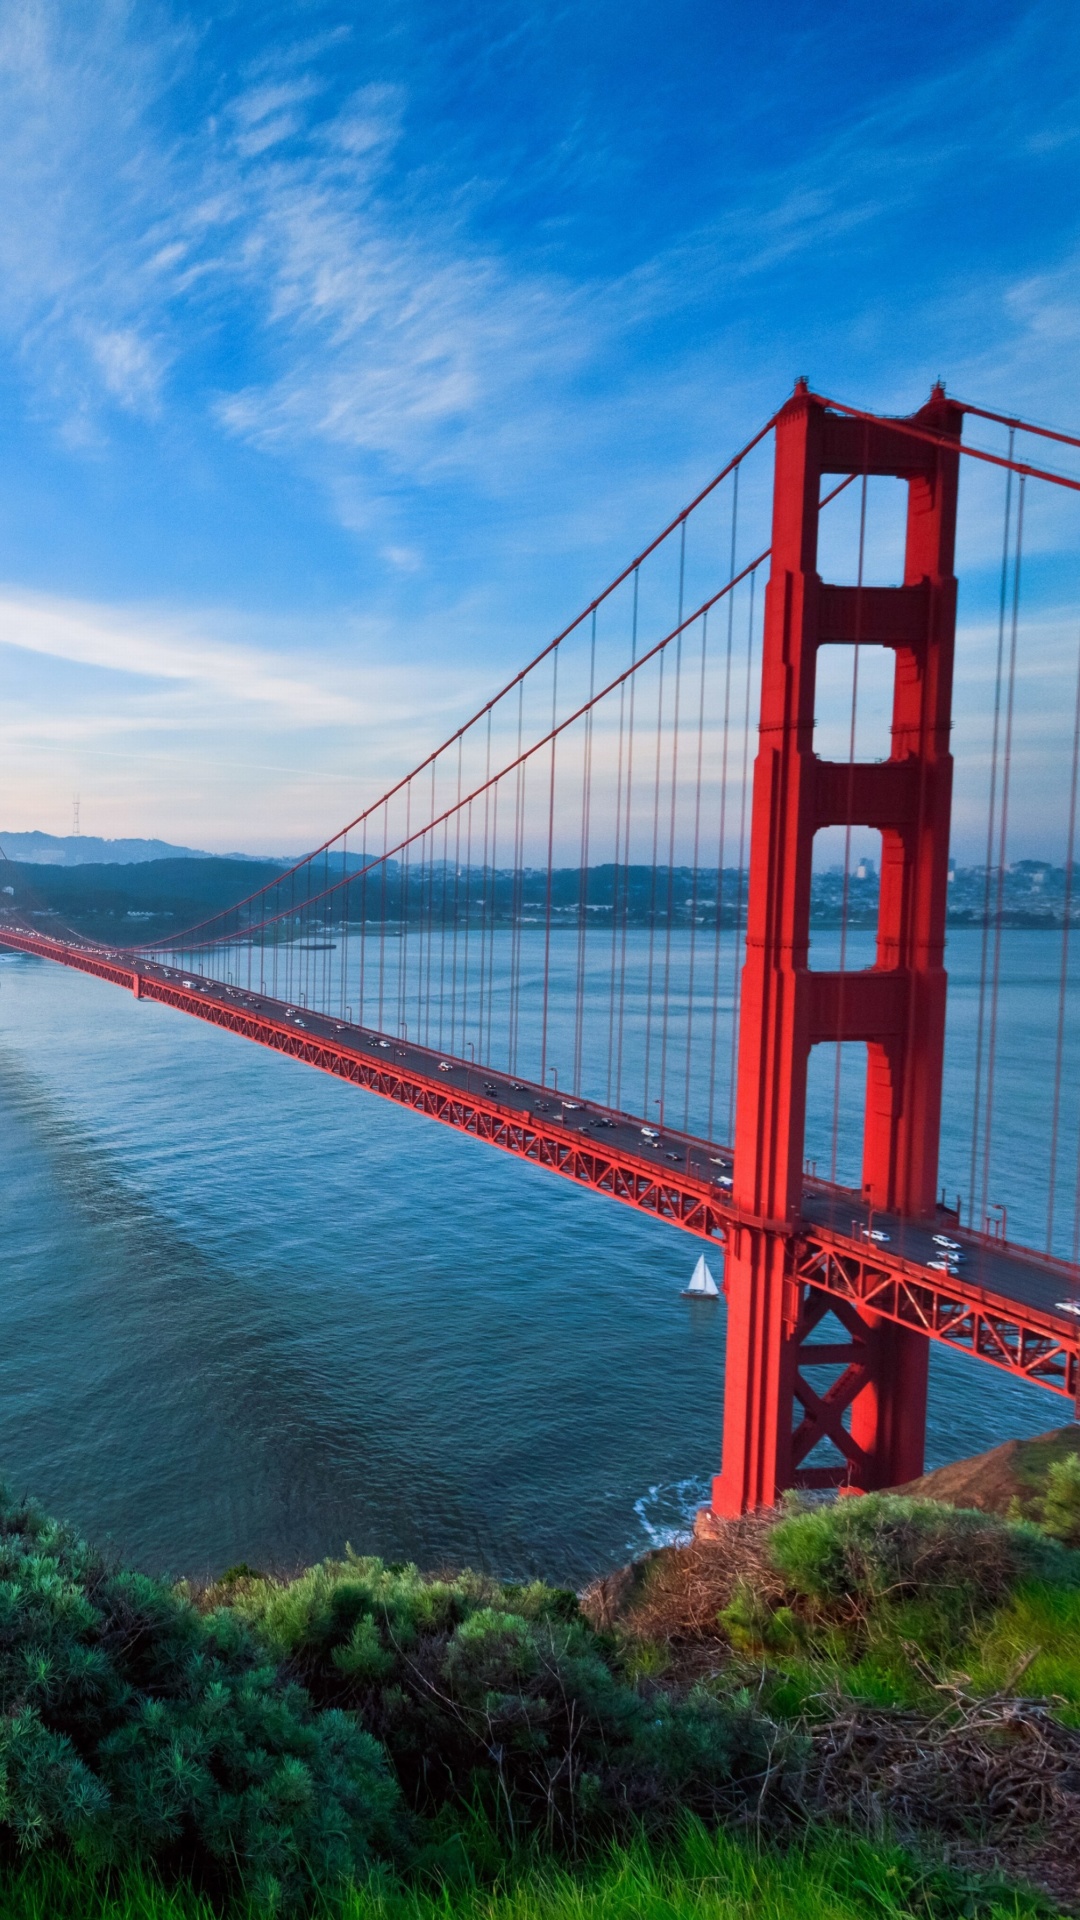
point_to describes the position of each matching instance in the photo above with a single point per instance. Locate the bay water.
(250, 1313)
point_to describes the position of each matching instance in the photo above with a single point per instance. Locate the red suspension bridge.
(596, 880)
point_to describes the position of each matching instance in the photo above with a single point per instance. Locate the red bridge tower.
(874, 1413)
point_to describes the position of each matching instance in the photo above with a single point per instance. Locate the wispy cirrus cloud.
(288, 684)
(365, 315)
(193, 710)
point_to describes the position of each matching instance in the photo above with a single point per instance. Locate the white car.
(445, 1067)
(950, 1246)
(650, 1133)
(876, 1234)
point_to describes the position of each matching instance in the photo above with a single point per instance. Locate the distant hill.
(123, 902)
(85, 850)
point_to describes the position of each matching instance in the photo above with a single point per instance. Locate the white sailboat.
(702, 1285)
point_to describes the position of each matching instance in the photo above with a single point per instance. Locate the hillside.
(863, 1711)
(121, 904)
(84, 850)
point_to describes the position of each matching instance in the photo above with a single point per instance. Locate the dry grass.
(994, 1782)
(998, 1779)
(673, 1597)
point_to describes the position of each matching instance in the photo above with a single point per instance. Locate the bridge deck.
(1008, 1305)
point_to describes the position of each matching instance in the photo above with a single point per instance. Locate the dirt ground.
(1015, 1472)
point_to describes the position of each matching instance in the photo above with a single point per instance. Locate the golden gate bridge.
(599, 878)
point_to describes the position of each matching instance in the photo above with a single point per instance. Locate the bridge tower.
(874, 1412)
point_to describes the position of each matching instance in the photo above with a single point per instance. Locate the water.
(249, 1312)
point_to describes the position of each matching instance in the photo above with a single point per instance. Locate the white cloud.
(128, 366)
(197, 733)
(314, 689)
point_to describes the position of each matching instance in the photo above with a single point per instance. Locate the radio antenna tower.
(75, 816)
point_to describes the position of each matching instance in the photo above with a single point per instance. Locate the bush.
(131, 1726)
(1061, 1502)
(477, 1687)
(887, 1548)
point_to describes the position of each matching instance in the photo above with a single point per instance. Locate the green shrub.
(133, 1727)
(755, 1625)
(1061, 1502)
(476, 1687)
(887, 1548)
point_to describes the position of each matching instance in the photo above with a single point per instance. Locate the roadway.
(998, 1268)
(1023, 1296)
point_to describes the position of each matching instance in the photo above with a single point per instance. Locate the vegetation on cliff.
(818, 1712)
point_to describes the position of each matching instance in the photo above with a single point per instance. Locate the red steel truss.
(1033, 1345)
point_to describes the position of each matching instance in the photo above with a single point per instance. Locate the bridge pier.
(872, 1416)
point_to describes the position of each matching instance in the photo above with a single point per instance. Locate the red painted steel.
(1029, 1341)
(1031, 1345)
(908, 429)
(874, 1415)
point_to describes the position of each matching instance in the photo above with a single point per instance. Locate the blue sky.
(342, 354)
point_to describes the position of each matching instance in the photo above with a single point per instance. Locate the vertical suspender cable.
(671, 824)
(430, 915)
(691, 985)
(627, 846)
(442, 929)
(457, 902)
(974, 1213)
(652, 885)
(736, 936)
(517, 890)
(1003, 830)
(615, 893)
(845, 891)
(383, 907)
(343, 963)
(550, 860)
(1063, 984)
(722, 834)
(363, 921)
(490, 801)
(583, 882)
(405, 866)
(465, 943)
(494, 913)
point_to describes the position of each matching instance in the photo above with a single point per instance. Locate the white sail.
(702, 1283)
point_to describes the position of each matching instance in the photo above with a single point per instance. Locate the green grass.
(875, 1666)
(1042, 1620)
(1034, 1459)
(705, 1877)
(888, 1598)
